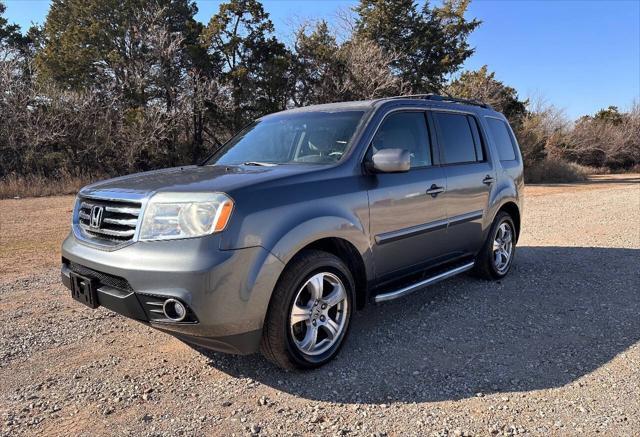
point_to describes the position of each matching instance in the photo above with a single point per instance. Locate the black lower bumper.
(115, 294)
(120, 300)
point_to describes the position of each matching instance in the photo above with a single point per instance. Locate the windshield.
(306, 137)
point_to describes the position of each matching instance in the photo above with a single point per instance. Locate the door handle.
(434, 190)
(488, 180)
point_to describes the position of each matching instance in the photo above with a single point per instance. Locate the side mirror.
(390, 161)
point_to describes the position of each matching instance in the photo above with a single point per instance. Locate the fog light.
(174, 310)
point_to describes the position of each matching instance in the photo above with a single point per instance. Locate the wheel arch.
(350, 255)
(337, 235)
(513, 210)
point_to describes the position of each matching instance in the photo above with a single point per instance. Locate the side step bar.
(432, 280)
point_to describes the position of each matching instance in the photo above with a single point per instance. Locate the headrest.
(321, 140)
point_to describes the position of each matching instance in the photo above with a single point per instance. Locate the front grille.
(117, 222)
(102, 278)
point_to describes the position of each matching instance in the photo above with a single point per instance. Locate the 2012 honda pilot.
(302, 218)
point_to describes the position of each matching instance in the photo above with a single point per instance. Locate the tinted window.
(476, 138)
(502, 139)
(456, 138)
(405, 130)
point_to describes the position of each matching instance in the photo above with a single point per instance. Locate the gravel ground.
(552, 349)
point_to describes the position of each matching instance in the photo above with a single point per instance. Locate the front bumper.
(226, 292)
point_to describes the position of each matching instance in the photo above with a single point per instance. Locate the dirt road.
(552, 349)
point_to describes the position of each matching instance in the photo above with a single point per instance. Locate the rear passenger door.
(470, 176)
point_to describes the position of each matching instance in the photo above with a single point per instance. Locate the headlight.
(185, 215)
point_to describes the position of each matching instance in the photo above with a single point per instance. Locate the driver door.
(408, 224)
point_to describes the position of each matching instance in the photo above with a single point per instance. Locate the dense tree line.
(106, 87)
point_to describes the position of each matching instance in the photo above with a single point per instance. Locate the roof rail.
(439, 98)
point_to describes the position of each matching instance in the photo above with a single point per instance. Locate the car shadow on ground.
(560, 314)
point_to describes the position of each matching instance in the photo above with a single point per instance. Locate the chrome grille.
(117, 221)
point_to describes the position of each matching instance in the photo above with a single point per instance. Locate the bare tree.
(611, 142)
(541, 131)
(369, 72)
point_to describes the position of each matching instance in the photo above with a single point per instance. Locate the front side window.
(502, 139)
(405, 130)
(457, 138)
(306, 137)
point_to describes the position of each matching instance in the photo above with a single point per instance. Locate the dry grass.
(590, 170)
(13, 186)
(557, 171)
(31, 239)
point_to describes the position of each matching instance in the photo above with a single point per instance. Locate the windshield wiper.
(260, 164)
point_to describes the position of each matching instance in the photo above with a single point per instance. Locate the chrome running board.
(432, 280)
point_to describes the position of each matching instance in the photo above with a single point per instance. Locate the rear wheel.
(309, 312)
(495, 259)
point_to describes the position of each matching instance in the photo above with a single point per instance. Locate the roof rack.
(439, 98)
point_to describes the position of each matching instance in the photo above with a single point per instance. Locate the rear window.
(457, 138)
(502, 139)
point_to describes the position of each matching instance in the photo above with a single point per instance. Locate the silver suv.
(305, 216)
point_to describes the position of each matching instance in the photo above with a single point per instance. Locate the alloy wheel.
(319, 314)
(503, 247)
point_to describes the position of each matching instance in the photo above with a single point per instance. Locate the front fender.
(284, 222)
(309, 231)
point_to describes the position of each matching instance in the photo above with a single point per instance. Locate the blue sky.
(580, 55)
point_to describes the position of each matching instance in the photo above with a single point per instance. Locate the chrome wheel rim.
(503, 247)
(319, 314)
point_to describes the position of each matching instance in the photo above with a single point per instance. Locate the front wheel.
(496, 256)
(309, 312)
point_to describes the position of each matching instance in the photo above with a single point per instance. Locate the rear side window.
(457, 135)
(502, 139)
(405, 130)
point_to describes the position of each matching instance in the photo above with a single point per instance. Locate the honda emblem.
(96, 216)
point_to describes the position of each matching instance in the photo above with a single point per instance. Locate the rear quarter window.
(502, 139)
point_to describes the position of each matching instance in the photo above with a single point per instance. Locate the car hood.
(192, 179)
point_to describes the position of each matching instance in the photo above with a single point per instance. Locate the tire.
(486, 265)
(311, 274)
